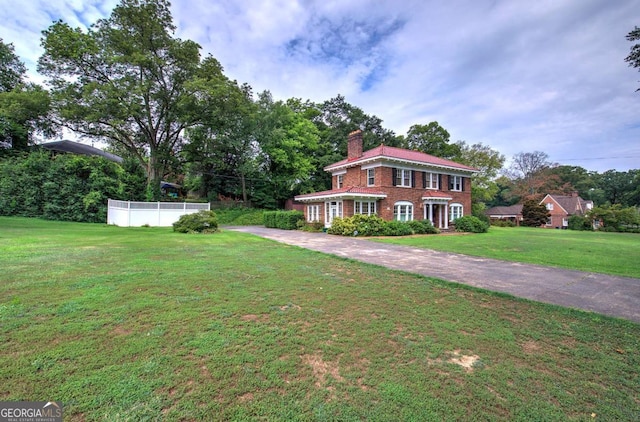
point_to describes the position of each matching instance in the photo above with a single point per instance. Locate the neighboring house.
(393, 183)
(562, 207)
(511, 213)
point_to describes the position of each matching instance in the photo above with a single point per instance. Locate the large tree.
(12, 70)
(431, 139)
(489, 162)
(634, 57)
(528, 173)
(24, 112)
(24, 107)
(221, 151)
(335, 119)
(126, 80)
(287, 143)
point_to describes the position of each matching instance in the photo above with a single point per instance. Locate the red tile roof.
(436, 194)
(383, 151)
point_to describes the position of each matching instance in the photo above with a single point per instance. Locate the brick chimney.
(574, 194)
(354, 145)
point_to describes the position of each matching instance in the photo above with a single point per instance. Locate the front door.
(333, 210)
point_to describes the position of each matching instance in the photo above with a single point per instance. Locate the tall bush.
(534, 214)
(578, 222)
(470, 224)
(286, 220)
(62, 187)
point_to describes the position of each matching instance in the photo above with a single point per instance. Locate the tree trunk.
(244, 188)
(154, 176)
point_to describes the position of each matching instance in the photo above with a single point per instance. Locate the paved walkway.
(605, 294)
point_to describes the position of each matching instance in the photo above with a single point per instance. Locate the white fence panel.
(155, 214)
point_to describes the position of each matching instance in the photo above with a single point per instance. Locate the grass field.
(607, 253)
(144, 324)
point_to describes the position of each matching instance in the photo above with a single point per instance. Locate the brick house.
(561, 207)
(511, 213)
(393, 183)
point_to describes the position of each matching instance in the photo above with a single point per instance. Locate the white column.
(446, 216)
(431, 213)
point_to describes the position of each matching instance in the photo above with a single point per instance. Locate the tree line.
(130, 82)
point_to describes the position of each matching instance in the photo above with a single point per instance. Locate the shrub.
(343, 227)
(503, 223)
(315, 226)
(577, 222)
(199, 222)
(286, 220)
(397, 228)
(422, 227)
(471, 224)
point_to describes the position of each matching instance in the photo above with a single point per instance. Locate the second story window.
(371, 177)
(550, 206)
(340, 180)
(430, 180)
(455, 183)
(402, 177)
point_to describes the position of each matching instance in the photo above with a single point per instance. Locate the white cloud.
(519, 76)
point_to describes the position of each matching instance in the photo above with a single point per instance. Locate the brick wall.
(384, 182)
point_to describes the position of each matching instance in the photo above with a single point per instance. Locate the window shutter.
(462, 184)
(394, 175)
(424, 180)
(413, 178)
(440, 182)
(450, 182)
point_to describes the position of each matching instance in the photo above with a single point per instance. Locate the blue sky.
(520, 76)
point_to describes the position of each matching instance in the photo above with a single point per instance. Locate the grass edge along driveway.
(598, 252)
(142, 323)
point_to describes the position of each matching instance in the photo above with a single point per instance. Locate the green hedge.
(371, 225)
(471, 224)
(63, 187)
(286, 220)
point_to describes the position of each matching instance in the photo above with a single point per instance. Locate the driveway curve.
(601, 293)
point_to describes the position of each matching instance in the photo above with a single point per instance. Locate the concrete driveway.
(605, 294)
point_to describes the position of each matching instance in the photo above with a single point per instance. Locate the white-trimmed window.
(364, 207)
(313, 213)
(403, 211)
(455, 211)
(340, 180)
(455, 183)
(332, 210)
(371, 177)
(430, 180)
(549, 206)
(403, 178)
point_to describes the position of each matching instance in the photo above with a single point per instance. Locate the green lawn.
(144, 324)
(607, 253)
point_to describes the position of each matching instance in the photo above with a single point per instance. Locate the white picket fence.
(155, 214)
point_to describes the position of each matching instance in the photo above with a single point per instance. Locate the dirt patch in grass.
(466, 361)
(321, 368)
(254, 317)
(530, 347)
